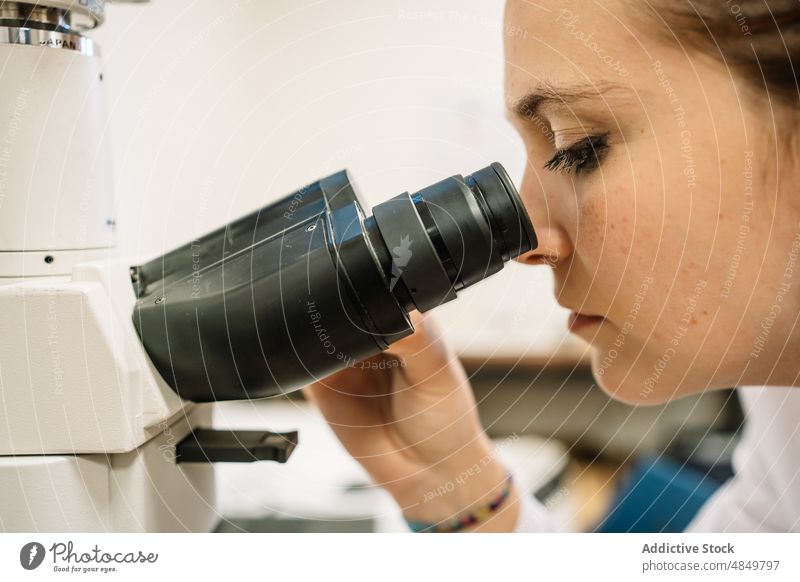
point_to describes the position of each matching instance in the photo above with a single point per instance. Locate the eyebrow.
(546, 94)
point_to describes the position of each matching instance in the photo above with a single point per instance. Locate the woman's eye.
(582, 156)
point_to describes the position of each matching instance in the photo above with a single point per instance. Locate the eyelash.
(582, 156)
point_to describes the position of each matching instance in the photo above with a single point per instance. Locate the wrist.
(469, 482)
(498, 515)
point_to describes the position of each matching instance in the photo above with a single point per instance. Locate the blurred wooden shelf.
(567, 362)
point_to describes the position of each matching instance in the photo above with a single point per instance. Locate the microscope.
(108, 366)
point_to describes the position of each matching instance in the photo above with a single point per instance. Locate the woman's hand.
(409, 417)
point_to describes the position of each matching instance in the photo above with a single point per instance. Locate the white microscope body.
(88, 429)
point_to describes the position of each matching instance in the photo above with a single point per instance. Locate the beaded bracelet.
(481, 514)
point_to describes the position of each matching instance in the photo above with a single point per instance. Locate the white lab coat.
(764, 494)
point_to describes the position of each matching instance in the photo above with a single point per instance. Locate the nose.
(539, 193)
(554, 246)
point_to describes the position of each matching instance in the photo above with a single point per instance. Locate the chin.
(628, 383)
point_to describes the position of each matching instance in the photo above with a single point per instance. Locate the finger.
(425, 355)
(360, 378)
(309, 393)
(347, 404)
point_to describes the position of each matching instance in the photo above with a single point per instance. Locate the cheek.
(606, 223)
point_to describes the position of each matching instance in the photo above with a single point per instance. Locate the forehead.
(569, 42)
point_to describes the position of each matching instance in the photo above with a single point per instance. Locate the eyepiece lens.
(470, 225)
(511, 224)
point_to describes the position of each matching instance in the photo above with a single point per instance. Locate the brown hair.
(759, 40)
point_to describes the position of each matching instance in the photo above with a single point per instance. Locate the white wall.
(221, 107)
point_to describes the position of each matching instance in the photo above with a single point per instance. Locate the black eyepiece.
(310, 284)
(472, 224)
(511, 225)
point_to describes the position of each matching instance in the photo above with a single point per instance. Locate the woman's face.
(652, 183)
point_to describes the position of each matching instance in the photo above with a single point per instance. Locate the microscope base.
(143, 490)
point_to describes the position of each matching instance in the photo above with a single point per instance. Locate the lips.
(579, 321)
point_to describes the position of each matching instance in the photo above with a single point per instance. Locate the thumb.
(425, 356)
